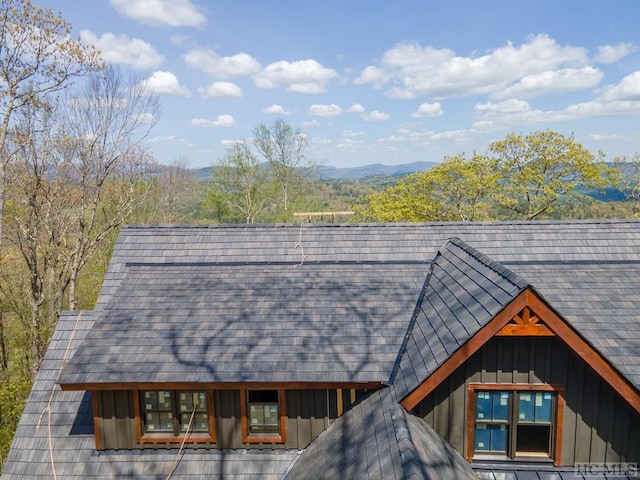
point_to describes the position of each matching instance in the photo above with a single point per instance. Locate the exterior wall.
(308, 413)
(598, 425)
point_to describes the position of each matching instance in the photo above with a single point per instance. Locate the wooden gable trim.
(556, 325)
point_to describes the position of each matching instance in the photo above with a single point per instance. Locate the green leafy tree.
(543, 168)
(244, 184)
(286, 150)
(413, 198)
(456, 189)
(628, 177)
(465, 187)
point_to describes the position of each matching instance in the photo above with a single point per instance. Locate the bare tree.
(628, 177)
(76, 179)
(38, 56)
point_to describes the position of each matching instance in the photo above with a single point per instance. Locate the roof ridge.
(490, 263)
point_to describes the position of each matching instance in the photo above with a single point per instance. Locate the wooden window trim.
(517, 387)
(160, 438)
(246, 437)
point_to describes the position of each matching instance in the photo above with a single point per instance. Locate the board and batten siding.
(308, 412)
(598, 426)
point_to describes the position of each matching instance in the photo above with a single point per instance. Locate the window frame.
(163, 437)
(281, 436)
(557, 418)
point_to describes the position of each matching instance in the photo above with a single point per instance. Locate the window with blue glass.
(514, 423)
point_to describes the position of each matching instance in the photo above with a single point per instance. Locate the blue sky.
(375, 81)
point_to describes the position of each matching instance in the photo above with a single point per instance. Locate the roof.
(378, 439)
(319, 294)
(463, 291)
(73, 444)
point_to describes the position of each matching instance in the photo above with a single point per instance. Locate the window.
(515, 421)
(263, 416)
(167, 415)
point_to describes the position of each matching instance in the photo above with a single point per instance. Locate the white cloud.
(375, 116)
(356, 108)
(627, 89)
(352, 133)
(172, 13)
(221, 89)
(123, 50)
(428, 110)
(612, 100)
(145, 118)
(278, 110)
(220, 121)
(165, 83)
(322, 141)
(171, 140)
(209, 62)
(604, 136)
(332, 110)
(304, 76)
(230, 143)
(564, 80)
(415, 71)
(311, 124)
(613, 53)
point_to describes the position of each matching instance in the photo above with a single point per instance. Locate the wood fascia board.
(556, 324)
(220, 386)
(465, 351)
(585, 351)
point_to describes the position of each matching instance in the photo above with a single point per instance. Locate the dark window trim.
(248, 438)
(194, 437)
(557, 420)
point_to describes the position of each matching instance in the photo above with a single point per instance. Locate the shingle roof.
(588, 271)
(73, 442)
(464, 290)
(251, 322)
(378, 439)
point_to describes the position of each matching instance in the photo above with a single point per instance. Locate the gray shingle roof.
(73, 443)
(378, 439)
(463, 291)
(351, 276)
(255, 322)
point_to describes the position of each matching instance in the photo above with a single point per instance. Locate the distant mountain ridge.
(350, 173)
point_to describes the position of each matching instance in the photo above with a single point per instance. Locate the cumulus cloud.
(170, 140)
(613, 53)
(604, 136)
(332, 110)
(356, 108)
(145, 118)
(414, 70)
(620, 99)
(165, 83)
(304, 76)
(428, 110)
(220, 121)
(214, 65)
(375, 116)
(278, 110)
(172, 13)
(311, 124)
(221, 89)
(558, 81)
(123, 50)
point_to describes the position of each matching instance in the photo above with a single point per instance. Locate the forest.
(74, 168)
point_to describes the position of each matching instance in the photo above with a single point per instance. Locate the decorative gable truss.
(527, 315)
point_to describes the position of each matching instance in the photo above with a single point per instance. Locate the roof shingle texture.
(378, 439)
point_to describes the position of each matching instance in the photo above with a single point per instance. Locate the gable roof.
(378, 439)
(605, 256)
(463, 291)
